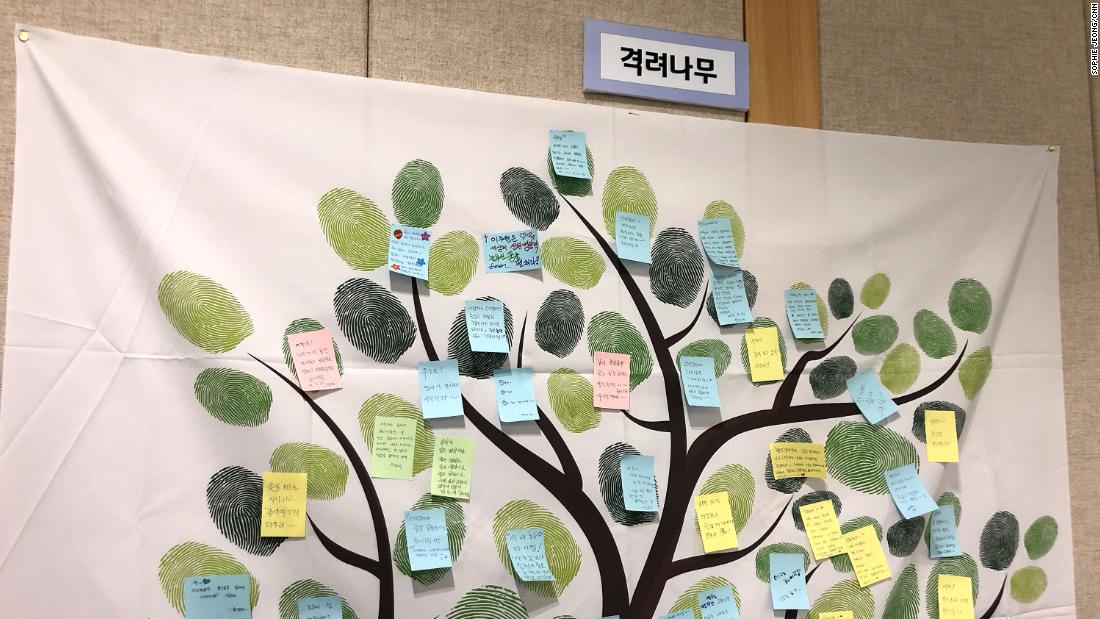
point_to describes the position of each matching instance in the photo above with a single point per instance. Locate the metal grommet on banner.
(1052, 148)
(24, 35)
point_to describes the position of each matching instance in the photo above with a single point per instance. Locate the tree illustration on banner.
(381, 326)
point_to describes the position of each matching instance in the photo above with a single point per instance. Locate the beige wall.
(1012, 71)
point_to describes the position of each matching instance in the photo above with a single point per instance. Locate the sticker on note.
(409, 251)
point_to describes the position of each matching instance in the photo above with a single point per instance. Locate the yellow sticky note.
(956, 597)
(836, 614)
(283, 506)
(865, 551)
(798, 460)
(715, 518)
(392, 448)
(822, 529)
(939, 433)
(765, 361)
(452, 467)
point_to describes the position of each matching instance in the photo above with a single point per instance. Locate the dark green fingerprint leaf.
(194, 558)
(559, 323)
(611, 486)
(900, 368)
(562, 553)
(1000, 540)
(356, 229)
(373, 320)
(472, 363)
(452, 261)
(830, 378)
(610, 332)
(529, 198)
(841, 298)
(720, 208)
(628, 190)
(810, 498)
(715, 349)
(327, 470)
(904, 599)
(841, 563)
(690, 597)
(736, 481)
(1028, 584)
(858, 455)
(789, 485)
(308, 588)
(1040, 537)
(417, 194)
(970, 305)
(233, 397)
(389, 405)
(975, 370)
(571, 399)
(567, 185)
(875, 290)
(902, 538)
(572, 261)
(453, 517)
(845, 595)
(752, 287)
(822, 316)
(933, 334)
(764, 558)
(874, 334)
(489, 602)
(203, 311)
(758, 322)
(306, 325)
(676, 271)
(956, 566)
(234, 497)
(937, 405)
(947, 498)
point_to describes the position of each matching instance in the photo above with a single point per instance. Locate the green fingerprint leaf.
(373, 320)
(900, 368)
(628, 190)
(234, 497)
(192, 559)
(763, 321)
(233, 397)
(874, 334)
(567, 185)
(676, 270)
(572, 261)
(308, 588)
(841, 298)
(752, 287)
(472, 363)
(822, 315)
(1028, 584)
(690, 597)
(529, 198)
(306, 325)
(452, 261)
(947, 498)
(970, 305)
(845, 595)
(956, 566)
(720, 208)
(841, 563)
(611, 485)
(1000, 540)
(810, 498)
(830, 378)
(904, 599)
(562, 553)
(203, 311)
(417, 194)
(875, 290)
(858, 455)
(715, 349)
(453, 517)
(389, 405)
(327, 470)
(975, 370)
(937, 405)
(571, 400)
(355, 228)
(903, 537)
(736, 481)
(934, 335)
(610, 332)
(489, 602)
(764, 558)
(789, 485)
(559, 323)
(1040, 537)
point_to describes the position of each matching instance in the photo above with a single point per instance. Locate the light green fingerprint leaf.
(736, 481)
(900, 368)
(715, 349)
(690, 597)
(841, 298)
(628, 190)
(529, 198)
(858, 455)
(970, 305)
(841, 563)
(306, 325)
(562, 553)
(233, 397)
(389, 405)
(489, 602)
(956, 566)
(1040, 537)
(571, 400)
(822, 313)
(676, 268)
(933, 334)
(720, 208)
(193, 559)
(572, 261)
(567, 185)
(999, 541)
(975, 370)
(1028, 584)
(874, 334)
(611, 485)
(452, 261)
(327, 470)
(203, 311)
(356, 229)
(845, 595)
(453, 518)
(758, 322)
(559, 323)
(610, 332)
(904, 599)
(875, 290)
(788, 485)
(373, 319)
(764, 558)
(308, 588)
(417, 194)
(829, 378)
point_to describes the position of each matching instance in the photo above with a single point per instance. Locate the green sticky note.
(392, 448)
(452, 466)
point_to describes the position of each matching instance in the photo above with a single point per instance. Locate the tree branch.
(350, 557)
(672, 340)
(699, 562)
(996, 601)
(786, 390)
(656, 426)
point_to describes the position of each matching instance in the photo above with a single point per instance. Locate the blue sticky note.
(328, 607)
(485, 326)
(687, 613)
(788, 582)
(697, 376)
(217, 597)
(512, 251)
(943, 536)
(730, 299)
(569, 154)
(527, 551)
(426, 536)
(440, 388)
(870, 396)
(717, 237)
(802, 314)
(632, 236)
(515, 395)
(639, 484)
(718, 604)
(409, 250)
(908, 491)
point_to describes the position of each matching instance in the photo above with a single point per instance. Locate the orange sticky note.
(715, 518)
(939, 433)
(611, 380)
(798, 460)
(314, 360)
(822, 529)
(865, 551)
(956, 597)
(765, 360)
(283, 506)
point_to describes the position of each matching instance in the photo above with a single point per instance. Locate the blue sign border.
(593, 28)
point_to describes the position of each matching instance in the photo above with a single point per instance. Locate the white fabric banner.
(176, 216)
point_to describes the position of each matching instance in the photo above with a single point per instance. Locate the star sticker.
(397, 234)
(419, 262)
(426, 236)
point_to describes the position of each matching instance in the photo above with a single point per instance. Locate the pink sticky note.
(611, 380)
(314, 360)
